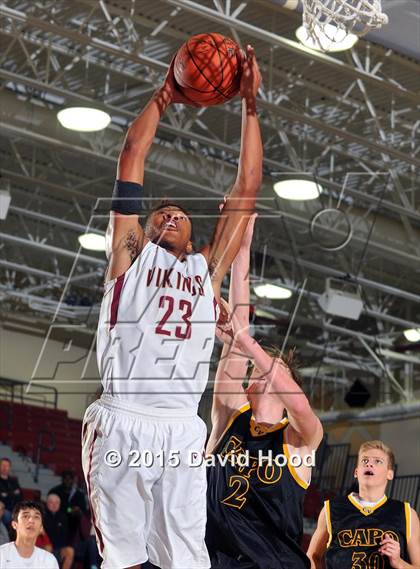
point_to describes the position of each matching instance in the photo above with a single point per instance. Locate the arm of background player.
(318, 544)
(280, 381)
(240, 202)
(124, 236)
(228, 393)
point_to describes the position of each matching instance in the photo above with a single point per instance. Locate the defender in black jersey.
(367, 530)
(254, 517)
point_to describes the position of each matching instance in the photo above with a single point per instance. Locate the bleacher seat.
(31, 494)
(20, 426)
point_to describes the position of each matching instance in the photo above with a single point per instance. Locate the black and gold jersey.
(255, 508)
(355, 532)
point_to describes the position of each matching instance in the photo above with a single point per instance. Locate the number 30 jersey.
(156, 330)
(355, 532)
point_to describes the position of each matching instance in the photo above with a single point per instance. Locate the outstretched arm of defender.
(124, 236)
(279, 380)
(241, 201)
(228, 393)
(318, 544)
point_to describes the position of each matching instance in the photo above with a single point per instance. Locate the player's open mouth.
(368, 473)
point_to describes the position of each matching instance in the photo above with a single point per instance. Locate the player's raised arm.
(280, 381)
(124, 236)
(318, 544)
(241, 200)
(228, 393)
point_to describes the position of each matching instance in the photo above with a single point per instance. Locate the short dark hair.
(27, 505)
(6, 459)
(167, 203)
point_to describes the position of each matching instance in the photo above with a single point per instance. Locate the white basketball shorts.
(146, 490)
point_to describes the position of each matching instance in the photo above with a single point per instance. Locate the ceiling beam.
(203, 190)
(46, 218)
(279, 110)
(51, 249)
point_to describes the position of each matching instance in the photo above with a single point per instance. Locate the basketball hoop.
(327, 20)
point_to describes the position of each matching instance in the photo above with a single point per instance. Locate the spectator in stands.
(27, 519)
(10, 492)
(73, 502)
(57, 529)
(72, 498)
(365, 528)
(4, 534)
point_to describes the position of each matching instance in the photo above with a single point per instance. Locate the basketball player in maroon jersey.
(155, 338)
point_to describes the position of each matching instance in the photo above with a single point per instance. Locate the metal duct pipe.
(51, 249)
(386, 412)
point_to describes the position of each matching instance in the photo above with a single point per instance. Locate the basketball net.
(328, 20)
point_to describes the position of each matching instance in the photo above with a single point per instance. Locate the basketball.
(207, 69)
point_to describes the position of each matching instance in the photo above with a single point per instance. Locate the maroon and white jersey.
(156, 330)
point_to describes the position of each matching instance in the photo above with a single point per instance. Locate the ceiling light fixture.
(412, 335)
(297, 189)
(83, 119)
(92, 241)
(330, 38)
(271, 291)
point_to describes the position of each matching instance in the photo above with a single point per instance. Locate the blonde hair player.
(255, 514)
(155, 339)
(367, 530)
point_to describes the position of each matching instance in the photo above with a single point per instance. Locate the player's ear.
(14, 525)
(390, 474)
(189, 248)
(355, 473)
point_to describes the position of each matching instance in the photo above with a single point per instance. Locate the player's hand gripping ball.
(208, 68)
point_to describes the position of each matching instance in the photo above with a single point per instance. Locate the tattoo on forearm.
(214, 263)
(132, 244)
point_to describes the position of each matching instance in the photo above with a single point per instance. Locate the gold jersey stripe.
(367, 511)
(291, 468)
(407, 509)
(328, 520)
(236, 414)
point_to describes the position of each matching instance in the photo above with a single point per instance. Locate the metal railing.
(40, 447)
(16, 392)
(407, 489)
(319, 460)
(334, 468)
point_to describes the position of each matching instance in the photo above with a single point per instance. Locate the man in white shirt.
(22, 554)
